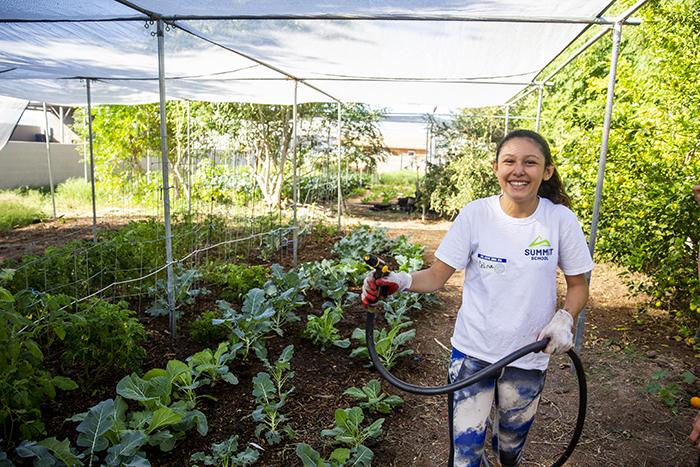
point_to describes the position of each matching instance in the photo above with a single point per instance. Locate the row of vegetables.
(154, 410)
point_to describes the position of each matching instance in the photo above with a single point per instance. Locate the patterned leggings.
(516, 393)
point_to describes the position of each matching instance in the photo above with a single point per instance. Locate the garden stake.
(382, 270)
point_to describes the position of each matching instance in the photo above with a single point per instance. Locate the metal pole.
(92, 163)
(63, 126)
(48, 158)
(617, 36)
(507, 119)
(539, 106)
(166, 185)
(340, 148)
(295, 227)
(189, 165)
(85, 159)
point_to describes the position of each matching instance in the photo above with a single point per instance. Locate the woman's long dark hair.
(552, 189)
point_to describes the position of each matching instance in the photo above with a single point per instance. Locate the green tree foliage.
(649, 221)
(262, 133)
(466, 152)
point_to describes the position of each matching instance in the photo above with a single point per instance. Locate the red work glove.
(394, 282)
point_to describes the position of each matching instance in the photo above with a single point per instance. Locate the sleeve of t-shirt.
(454, 248)
(574, 256)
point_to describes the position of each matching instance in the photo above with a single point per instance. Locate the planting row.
(155, 410)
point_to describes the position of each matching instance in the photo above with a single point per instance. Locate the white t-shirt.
(510, 289)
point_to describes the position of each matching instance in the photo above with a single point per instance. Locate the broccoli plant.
(285, 293)
(321, 329)
(348, 429)
(373, 398)
(225, 454)
(250, 325)
(213, 364)
(387, 344)
(360, 456)
(183, 292)
(271, 396)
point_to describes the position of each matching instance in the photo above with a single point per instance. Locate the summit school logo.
(539, 241)
(540, 249)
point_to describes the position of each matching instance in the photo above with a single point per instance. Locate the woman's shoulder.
(559, 211)
(481, 203)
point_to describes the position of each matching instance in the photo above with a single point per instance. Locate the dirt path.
(623, 350)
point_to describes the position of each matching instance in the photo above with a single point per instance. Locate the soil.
(627, 344)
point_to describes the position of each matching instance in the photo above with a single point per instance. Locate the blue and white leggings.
(515, 392)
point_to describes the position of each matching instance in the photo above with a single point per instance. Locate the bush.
(466, 176)
(235, 279)
(204, 331)
(102, 338)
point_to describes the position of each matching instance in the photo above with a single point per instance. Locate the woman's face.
(520, 169)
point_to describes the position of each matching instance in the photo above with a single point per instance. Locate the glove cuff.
(564, 315)
(406, 281)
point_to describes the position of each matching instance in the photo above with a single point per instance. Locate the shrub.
(204, 331)
(236, 279)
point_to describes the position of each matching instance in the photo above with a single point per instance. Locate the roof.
(461, 53)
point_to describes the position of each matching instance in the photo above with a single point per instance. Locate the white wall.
(25, 164)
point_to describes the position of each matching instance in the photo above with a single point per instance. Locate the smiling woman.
(525, 170)
(510, 246)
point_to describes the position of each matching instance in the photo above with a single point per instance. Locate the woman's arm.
(576, 294)
(431, 279)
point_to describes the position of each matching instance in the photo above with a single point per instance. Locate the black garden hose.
(489, 371)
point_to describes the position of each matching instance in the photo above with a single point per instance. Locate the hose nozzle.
(379, 266)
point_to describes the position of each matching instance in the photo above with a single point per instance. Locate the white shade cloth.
(382, 62)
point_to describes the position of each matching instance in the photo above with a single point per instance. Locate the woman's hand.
(558, 330)
(392, 283)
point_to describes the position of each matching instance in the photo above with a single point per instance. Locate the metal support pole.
(48, 158)
(85, 150)
(62, 125)
(189, 165)
(166, 185)
(617, 36)
(507, 119)
(340, 148)
(295, 227)
(92, 162)
(539, 106)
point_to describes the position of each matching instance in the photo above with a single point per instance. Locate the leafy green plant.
(24, 381)
(669, 392)
(273, 242)
(250, 325)
(203, 329)
(213, 365)
(183, 292)
(373, 398)
(102, 338)
(235, 279)
(271, 395)
(402, 246)
(225, 454)
(321, 329)
(328, 278)
(285, 292)
(361, 241)
(348, 428)
(360, 456)
(280, 372)
(388, 344)
(48, 452)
